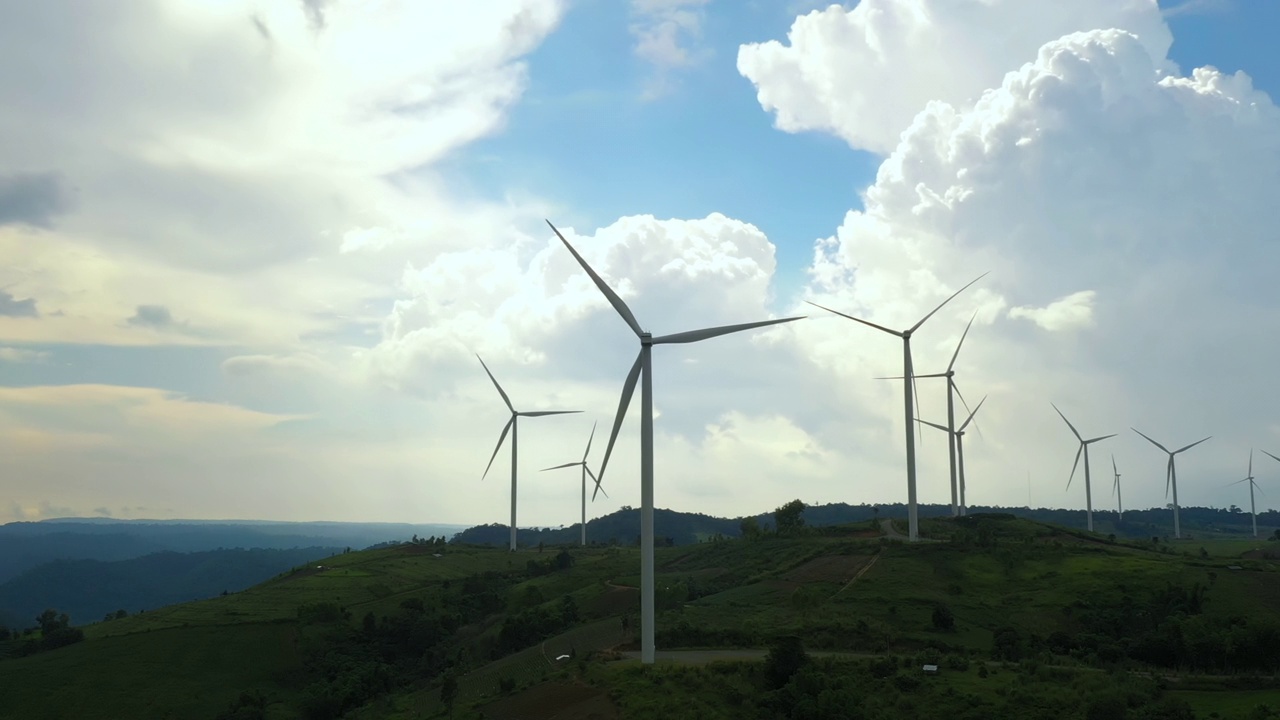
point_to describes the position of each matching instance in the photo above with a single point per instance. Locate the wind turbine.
(958, 434)
(1084, 448)
(1171, 476)
(585, 472)
(913, 520)
(952, 392)
(1253, 509)
(1115, 489)
(644, 365)
(511, 425)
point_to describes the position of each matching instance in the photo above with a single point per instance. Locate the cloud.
(12, 307)
(22, 355)
(102, 511)
(665, 32)
(862, 74)
(1072, 311)
(152, 316)
(31, 198)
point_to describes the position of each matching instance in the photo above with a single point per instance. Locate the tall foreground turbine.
(511, 425)
(952, 392)
(644, 366)
(1253, 509)
(1115, 489)
(958, 434)
(1171, 476)
(585, 472)
(1084, 448)
(913, 519)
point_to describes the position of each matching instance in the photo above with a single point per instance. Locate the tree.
(789, 518)
(449, 691)
(943, 619)
(750, 528)
(786, 657)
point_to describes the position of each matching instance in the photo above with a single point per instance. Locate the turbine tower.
(1253, 508)
(511, 426)
(952, 392)
(1084, 448)
(1115, 489)
(1171, 477)
(585, 472)
(913, 520)
(644, 366)
(958, 434)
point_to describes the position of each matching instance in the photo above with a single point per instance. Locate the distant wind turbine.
(1253, 509)
(585, 472)
(959, 437)
(1084, 448)
(1171, 476)
(644, 366)
(952, 392)
(1115, 489)
(908, 371)
(511, 426)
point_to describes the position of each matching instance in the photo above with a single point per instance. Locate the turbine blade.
(1068, 422)
(944, 302)
(498, 447)
(956, 387)
(1153, 442)
(609, 294)
(505, 399)
(708, 333)
(628, 388)
(970, 418)
(956, 354)
(864, 322)
(915, 392)
(1273, 457)
(1175, 452)
(1237, 482)
(1114, 469)
(544, 413)
(557, 467)
(1094, 440)
(1250, 462)
(1258, 487)
(899, 377)
(589, 439)
(598, 489)
(943, 428)
(1168, 476)
(1074, 465)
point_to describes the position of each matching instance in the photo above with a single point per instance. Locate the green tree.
(789, 518)
(751, 528)
(449, 691)
(943, 619)
(786, 657)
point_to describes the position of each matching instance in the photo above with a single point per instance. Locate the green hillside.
(1024, 620)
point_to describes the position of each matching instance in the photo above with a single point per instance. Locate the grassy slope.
(191, 660)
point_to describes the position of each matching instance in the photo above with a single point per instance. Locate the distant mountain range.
(623, 526)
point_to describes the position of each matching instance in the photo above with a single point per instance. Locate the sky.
(252, 249)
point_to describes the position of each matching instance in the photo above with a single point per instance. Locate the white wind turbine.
(1253, 508)
(511, 426)
(952, 393)
(585, 472)
(913, 520)
(1171, 476)
(644, 366)
(958, 435)
(1115, 489)
(1084, 448)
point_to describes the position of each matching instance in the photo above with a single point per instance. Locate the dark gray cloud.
(12, 307)
(154, 316)
(32, 199)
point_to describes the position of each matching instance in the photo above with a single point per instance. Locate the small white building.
(930, 669)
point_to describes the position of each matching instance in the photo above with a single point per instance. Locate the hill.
(680, 528)
(25, 545)
(90, 589)
(1025, 620)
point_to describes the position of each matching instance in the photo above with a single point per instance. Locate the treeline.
(52, 630)
(622, 527)
(89, 589)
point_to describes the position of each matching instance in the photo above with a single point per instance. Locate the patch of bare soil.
(828, 568)
(554, 701)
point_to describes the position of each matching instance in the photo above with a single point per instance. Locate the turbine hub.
(646, 339)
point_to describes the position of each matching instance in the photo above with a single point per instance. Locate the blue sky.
(146, 377)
